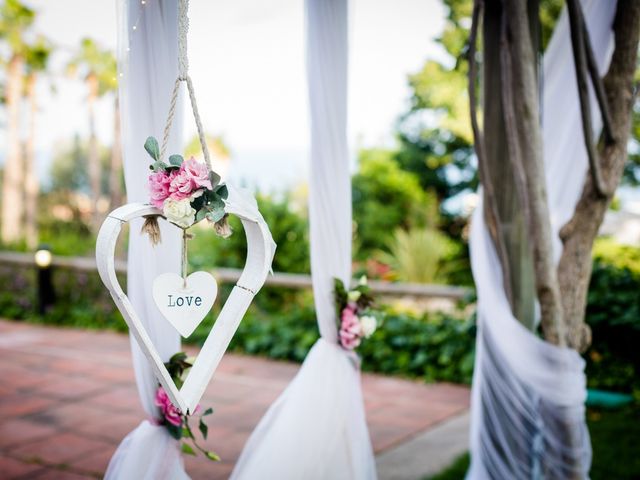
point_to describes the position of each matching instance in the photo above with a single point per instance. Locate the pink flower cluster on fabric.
(350, 329)
(178, 184)
(169, 411)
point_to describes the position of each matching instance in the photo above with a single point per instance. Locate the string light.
(134, 28)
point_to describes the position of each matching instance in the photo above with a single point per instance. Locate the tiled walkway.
(67, 398)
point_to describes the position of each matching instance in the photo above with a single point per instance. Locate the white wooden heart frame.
(257, 267)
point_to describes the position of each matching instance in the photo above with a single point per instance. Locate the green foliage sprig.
(178, 366)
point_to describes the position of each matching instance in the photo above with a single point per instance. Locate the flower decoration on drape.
(316, 429)
(357, 317)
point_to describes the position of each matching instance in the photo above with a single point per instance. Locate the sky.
(247, 63)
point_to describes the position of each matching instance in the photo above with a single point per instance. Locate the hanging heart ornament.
(185, 302)
(192, 300)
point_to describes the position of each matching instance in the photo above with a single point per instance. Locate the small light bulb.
(121, 74)
(143, 2)
(135, 27)
(43, 258)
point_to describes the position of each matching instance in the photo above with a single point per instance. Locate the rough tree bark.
(12, 184)
(528, 163)
(31, 184)
(574, 269)
(510, 210)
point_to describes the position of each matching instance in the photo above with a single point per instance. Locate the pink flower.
(350, 329)
(197, 172)
(169, 411)
(181, 185)
(159, 188)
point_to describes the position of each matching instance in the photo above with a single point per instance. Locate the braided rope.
(196, 117)
(183, 28)
(183, 76)
(172, 112)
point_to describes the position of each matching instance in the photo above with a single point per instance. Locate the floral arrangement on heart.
(176, 422)
(187, 191)
(356, 313)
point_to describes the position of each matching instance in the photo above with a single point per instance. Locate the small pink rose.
(349, 340)
(197, 172)
(159, 188)
(169, 411)
(350, 329)
(181, 185)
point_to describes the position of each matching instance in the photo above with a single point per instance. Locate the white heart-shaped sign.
(185, 303)
(260, 249)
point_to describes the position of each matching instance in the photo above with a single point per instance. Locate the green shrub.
(80, 299)
(288, 228)
(432, 348)
(613, 312)
(420, 255)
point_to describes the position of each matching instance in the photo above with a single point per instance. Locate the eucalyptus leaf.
(198, 202)
(186, 448)
(159, 166)
(178, 357)
(223, 191)
(214, 215)
(204, 429)
(176, 160)
(152, 148)
(215, 179)
(215, 202)
(200, 214)
(174, 431)
(208, 411)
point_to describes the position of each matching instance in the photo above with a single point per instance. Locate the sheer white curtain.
(317, 428)
(147, 58)
(528, 395)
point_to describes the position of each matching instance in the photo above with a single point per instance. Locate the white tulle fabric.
(317, 428)
(147, 60)
(528, 395)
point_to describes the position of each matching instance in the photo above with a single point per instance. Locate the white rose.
(368, 324)
(179, 212)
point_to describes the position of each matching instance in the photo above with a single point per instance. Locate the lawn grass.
(616, 452)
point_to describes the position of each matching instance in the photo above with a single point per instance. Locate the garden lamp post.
(46, 295)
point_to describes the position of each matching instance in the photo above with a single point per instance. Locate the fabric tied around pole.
(147, 440)
(317, 429)
(147, 62)
(527, 408)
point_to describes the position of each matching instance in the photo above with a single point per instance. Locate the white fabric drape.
(317, 428)
(528, 395)
(147, 58)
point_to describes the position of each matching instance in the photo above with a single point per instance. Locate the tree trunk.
(522, 87)
(12, 186)
(94, 166)
(574, 269)
(511, 219)
(32, 187)
(115, 174)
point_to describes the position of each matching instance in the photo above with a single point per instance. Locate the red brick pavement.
(68, 397)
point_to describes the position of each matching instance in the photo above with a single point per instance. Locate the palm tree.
(37, 56)
(15, 19)
(116, 195)
(98, 67)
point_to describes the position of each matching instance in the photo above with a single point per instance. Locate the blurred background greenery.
(411, 209)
